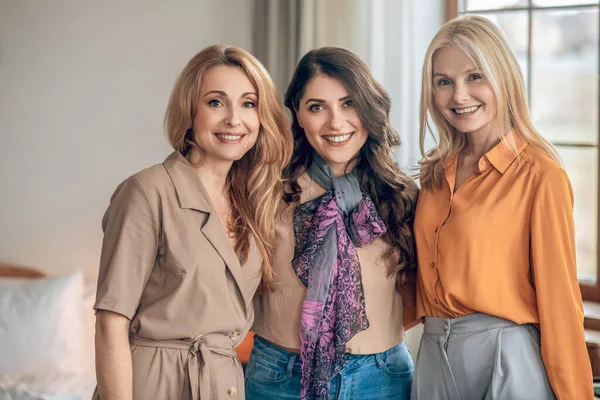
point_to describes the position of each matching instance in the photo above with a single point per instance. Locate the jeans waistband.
(265, 349)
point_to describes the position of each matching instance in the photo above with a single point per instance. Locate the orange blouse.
(504, 244)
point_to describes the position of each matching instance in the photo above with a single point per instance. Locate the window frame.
(590, 292)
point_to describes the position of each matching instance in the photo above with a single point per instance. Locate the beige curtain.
(286, 29)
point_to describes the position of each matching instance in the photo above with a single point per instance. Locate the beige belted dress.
(168, 265)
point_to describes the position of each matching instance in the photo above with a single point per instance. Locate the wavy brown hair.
(254, 182)
(392, 191)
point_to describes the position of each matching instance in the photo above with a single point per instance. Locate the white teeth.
(229, 137)
(337, 139)
(468, 110)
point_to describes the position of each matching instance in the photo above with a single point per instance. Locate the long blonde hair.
(483, 42)
(254, 182)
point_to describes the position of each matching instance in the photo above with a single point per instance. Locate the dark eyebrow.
(222, 93)
(314, 100)
(323, 101)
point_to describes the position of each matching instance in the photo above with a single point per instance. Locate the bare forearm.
(113, 359)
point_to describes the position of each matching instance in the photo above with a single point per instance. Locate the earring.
(189, 134)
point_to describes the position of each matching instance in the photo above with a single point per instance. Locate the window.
(556, 43)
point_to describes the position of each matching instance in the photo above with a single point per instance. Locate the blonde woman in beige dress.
(187, 242)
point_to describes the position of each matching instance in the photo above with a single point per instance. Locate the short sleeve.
(129, 248)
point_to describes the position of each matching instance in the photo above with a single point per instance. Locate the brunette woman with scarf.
(332, 323)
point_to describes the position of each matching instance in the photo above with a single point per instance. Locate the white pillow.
(41, 331)
(89, 330)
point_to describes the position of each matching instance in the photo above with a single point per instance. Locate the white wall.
(83, 88)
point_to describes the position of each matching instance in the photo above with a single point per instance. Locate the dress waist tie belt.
(199, 358)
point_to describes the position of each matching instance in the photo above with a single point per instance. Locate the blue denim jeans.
(274, 373)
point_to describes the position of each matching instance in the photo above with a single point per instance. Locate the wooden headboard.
(18, 271)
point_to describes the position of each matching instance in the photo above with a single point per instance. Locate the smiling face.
(226, 123)
(330, 122)
(462, 94)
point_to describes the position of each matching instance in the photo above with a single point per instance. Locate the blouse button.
(436, 301)
(436, 230)
(234, 335)
(432, 265)
(232, 392)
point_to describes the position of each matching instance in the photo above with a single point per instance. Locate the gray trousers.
(477, 357)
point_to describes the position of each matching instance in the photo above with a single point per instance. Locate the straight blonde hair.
(254, 182)
(483, 42)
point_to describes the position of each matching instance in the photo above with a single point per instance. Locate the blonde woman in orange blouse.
(497, 284)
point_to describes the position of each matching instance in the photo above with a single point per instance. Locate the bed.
(46, 335)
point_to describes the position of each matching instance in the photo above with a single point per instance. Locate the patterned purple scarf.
(325, 259)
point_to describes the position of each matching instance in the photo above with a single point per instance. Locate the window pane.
(514, 26)
(553, 3)
(477, 5)
(581, 165)
(564, 86)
